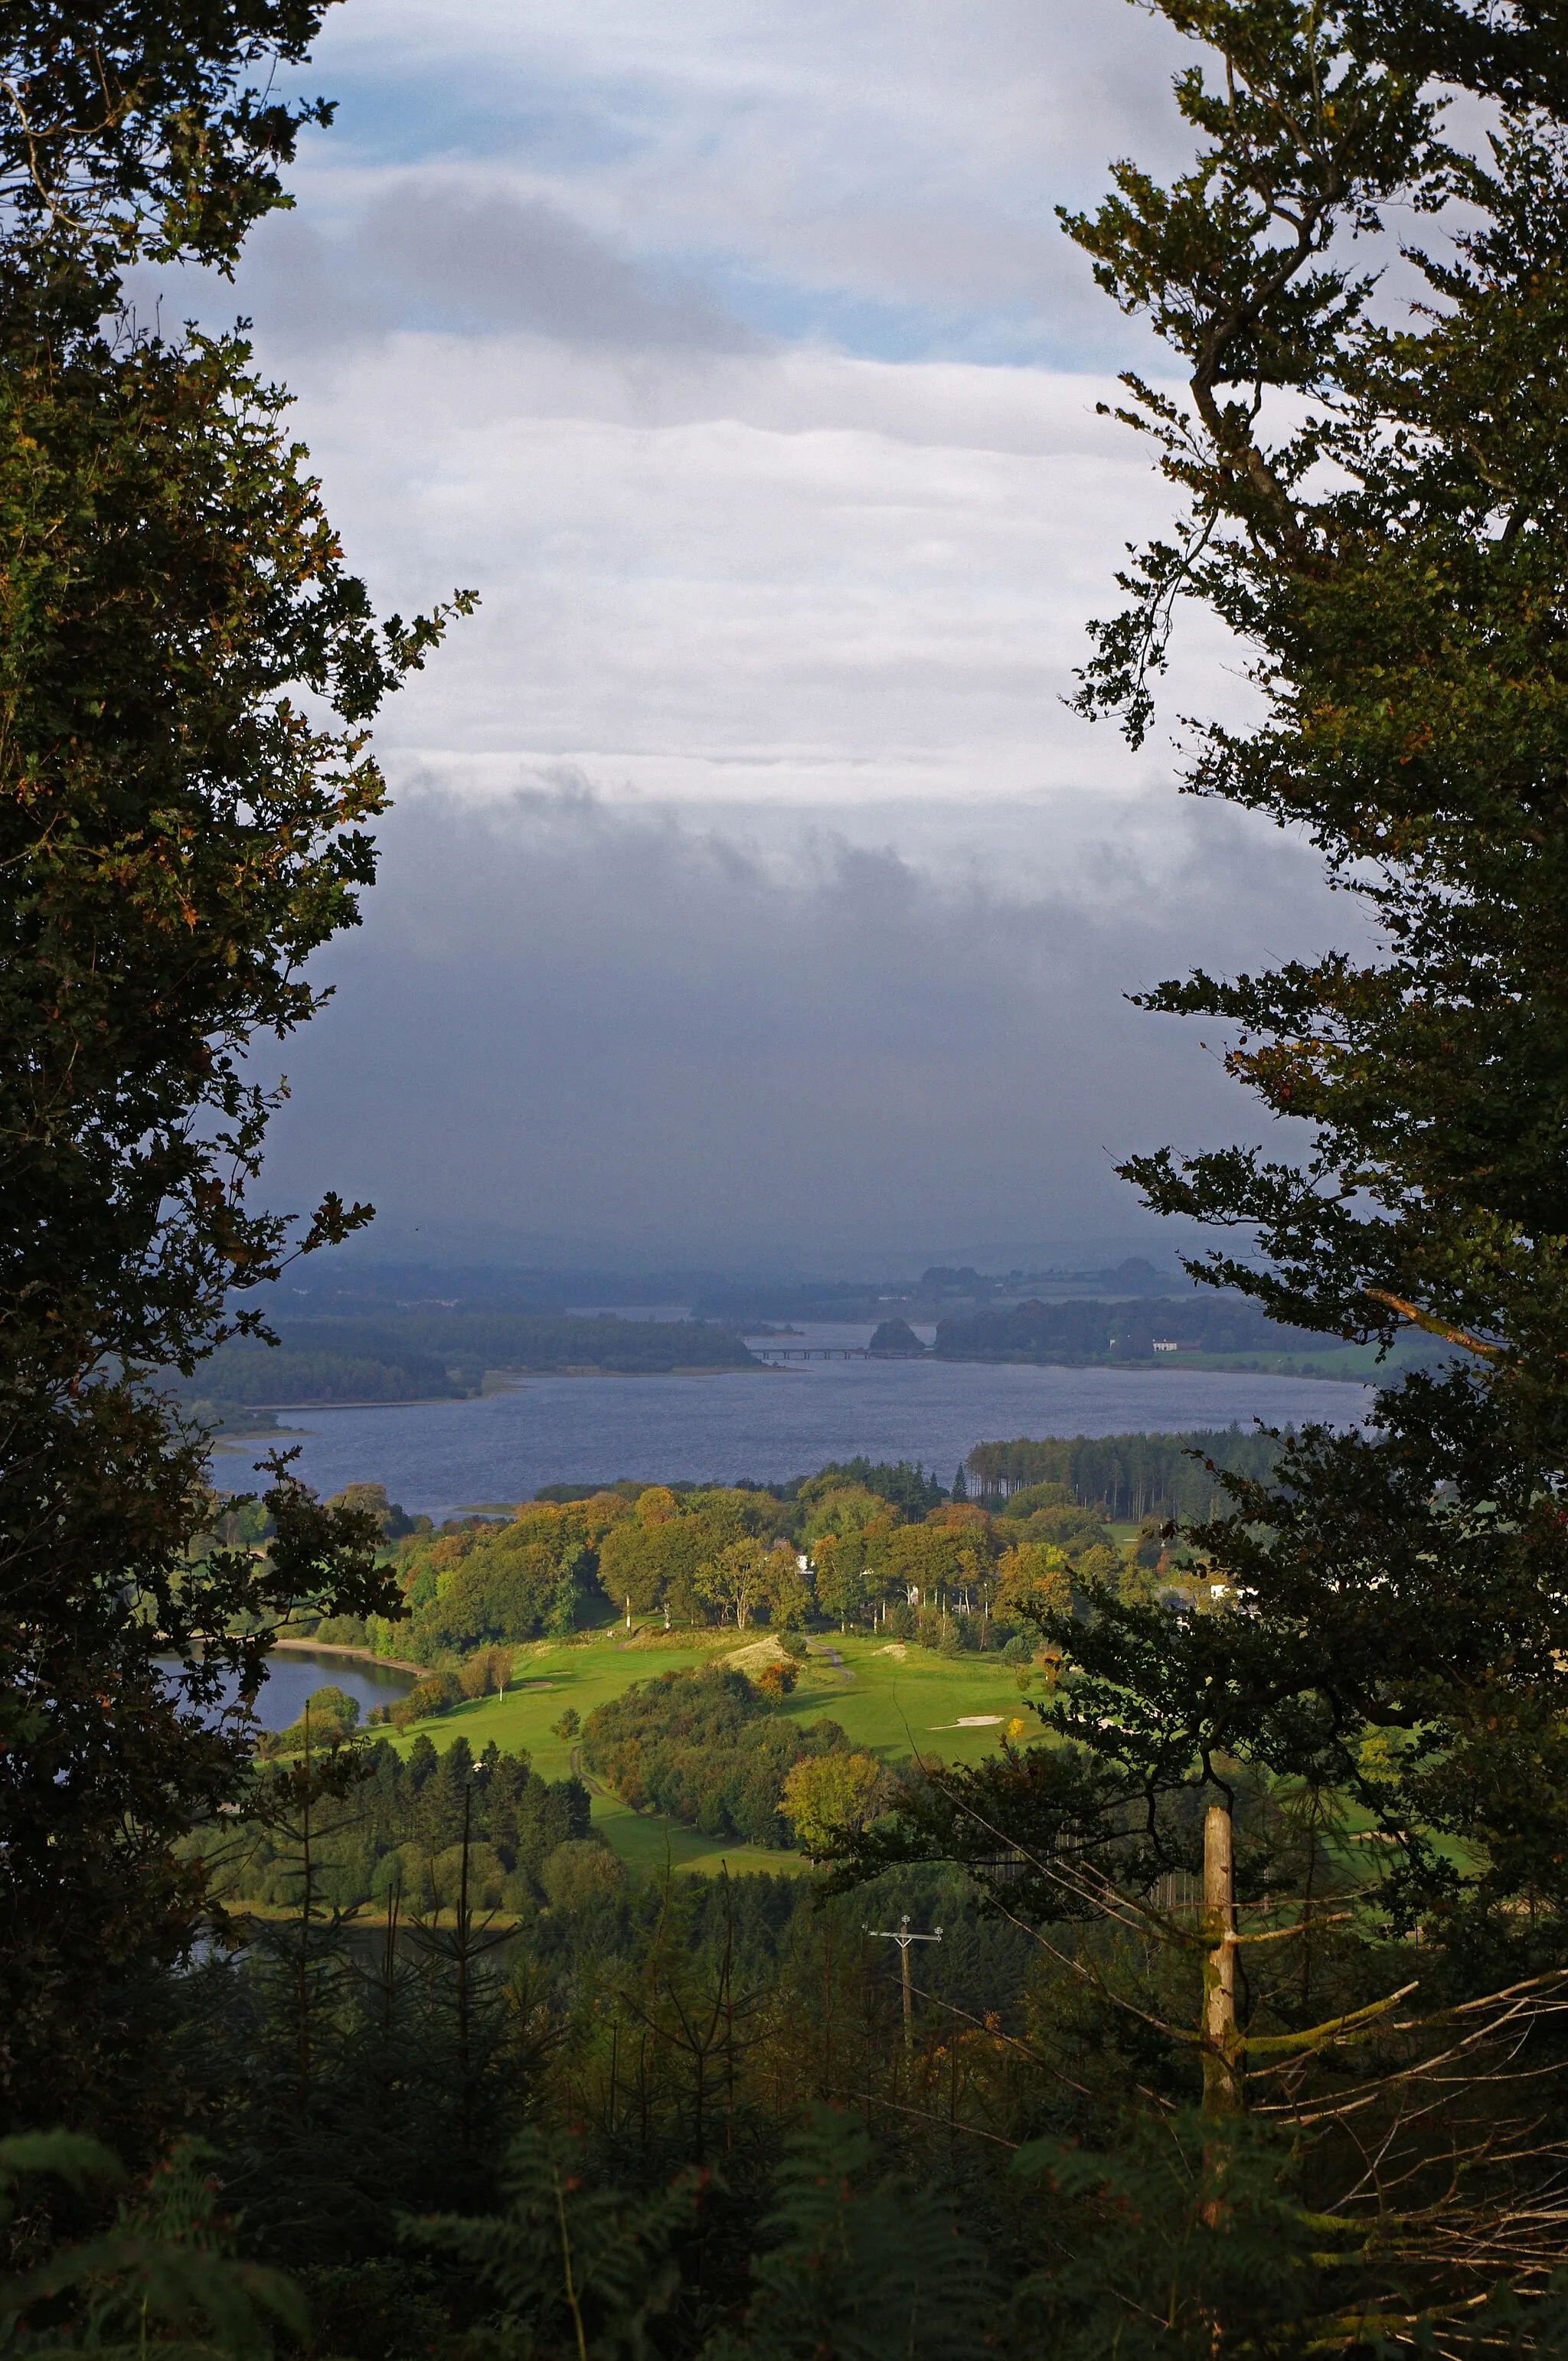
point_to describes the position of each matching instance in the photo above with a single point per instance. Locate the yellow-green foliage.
(330, 1716)
(657, 1555)
(829, 1796)
(1033, 1578)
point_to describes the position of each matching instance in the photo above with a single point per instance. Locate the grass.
(889, 1704)
(895, 1706)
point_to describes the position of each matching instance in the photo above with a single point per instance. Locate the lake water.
(292, 1677)
(436, 1458)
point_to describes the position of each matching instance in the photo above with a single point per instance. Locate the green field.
(893, 1705)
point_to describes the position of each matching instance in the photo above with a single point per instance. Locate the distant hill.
(1079, 1329)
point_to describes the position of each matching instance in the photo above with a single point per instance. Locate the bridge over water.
(810, 1352)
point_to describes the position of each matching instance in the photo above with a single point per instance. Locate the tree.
(788, 1587)
(828, 1799)
(737, 1580)
(394, 1523)
(1032, 1579)
(838, 1559)
(1377, 513)
(177, 834)
(926, 1559)
(656, 1557)
(895, 1340)
(131, 128)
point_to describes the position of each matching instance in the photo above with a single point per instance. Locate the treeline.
(474, 1342)
(362, 1285)
(395, 1832)
(744, 1302)
(1127, 1476)
(432, 1356)
(358, 1363)
(1089, 1330)
(856, 1544)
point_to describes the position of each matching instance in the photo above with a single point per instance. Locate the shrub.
(487, 1875)
(437, 1693)
(579, 1872)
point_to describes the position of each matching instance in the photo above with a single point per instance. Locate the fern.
(861, 2273)
(164, 2267)
(580, 2272)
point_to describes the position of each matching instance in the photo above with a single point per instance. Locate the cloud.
(771, 575)
(425, 253)
(817, 158)
(569, 1017)
(753, 885)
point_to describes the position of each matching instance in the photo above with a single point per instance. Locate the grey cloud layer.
(580, 1020)
(425, 254)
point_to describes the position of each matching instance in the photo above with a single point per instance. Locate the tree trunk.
(1221, 2055)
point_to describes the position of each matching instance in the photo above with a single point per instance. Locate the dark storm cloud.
(568, 1017)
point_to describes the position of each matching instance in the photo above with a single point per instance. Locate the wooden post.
(1222, 2054)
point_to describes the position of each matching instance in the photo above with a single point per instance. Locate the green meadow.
(893, 1700)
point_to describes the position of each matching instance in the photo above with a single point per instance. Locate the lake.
(439, 1457)
(293, 1676)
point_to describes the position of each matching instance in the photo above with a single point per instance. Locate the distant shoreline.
(342, 1648)
(427, 1402)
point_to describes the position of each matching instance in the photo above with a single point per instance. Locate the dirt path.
(820, 1648)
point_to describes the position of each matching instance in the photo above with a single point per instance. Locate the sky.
(750, 889)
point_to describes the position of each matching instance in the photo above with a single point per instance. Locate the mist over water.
(438, 1458)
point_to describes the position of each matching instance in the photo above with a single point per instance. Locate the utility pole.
(902, 1938)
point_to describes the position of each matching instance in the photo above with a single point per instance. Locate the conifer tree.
(1376, 510)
